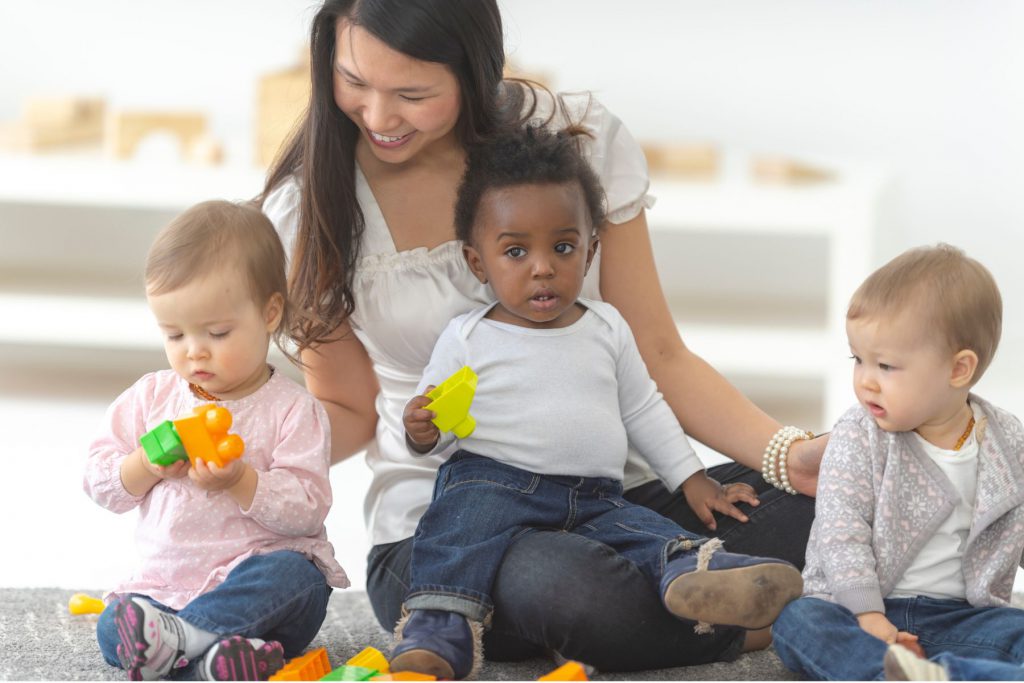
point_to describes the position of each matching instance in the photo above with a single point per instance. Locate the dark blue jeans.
(566, 593)
(279, 596)
(823, 641)
(482, 506)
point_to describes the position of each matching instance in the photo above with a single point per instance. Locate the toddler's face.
(215, 335)
(533, 244)
(900, 375)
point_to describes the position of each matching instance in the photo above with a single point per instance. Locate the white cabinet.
(758, 277)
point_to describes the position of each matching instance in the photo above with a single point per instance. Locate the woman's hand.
(803, 461)
(420, 431)
(705, 496)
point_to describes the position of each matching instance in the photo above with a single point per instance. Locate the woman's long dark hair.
(464, 35)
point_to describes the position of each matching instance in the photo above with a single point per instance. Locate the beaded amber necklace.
(204, 394)
(963, 437)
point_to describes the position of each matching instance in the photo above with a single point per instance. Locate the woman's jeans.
(481, 506)
(279, 596)
(570, 594)
(823, 641)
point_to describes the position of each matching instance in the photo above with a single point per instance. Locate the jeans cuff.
(450, 602)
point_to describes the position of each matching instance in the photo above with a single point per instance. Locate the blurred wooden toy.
(282, 102)
(49, 123)
(781, 171)
(124, 130)
(80, 603)
(451, 400)
(695, 161)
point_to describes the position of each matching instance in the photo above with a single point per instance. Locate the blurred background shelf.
(757, 275)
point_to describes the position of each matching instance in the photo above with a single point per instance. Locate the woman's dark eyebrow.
(351, 76)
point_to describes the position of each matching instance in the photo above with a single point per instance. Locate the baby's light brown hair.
(218, 235)
(957, 298)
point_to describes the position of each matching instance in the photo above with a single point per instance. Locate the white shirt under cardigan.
(404, 299)
(564, 400)
(936, 570)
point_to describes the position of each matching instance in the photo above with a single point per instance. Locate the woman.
(364, 196)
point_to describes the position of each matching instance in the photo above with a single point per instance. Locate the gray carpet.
(39, 640)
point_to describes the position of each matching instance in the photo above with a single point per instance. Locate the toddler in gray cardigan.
(919, 522)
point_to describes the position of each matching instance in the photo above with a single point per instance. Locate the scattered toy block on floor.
(371, 658)
(311, 666)
(404, 676)
(570, 671)
(80, 603)
(350, 673)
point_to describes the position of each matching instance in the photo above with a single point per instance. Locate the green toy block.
(162, 445)
(350, 673)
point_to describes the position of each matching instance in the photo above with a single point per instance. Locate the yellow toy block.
(311, 666)
(451, 400)
(570, 671)
(205, 435)
(371, 658)
(80, 603)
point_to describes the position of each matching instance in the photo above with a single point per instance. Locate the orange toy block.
(311, 666)
(404, 676)
(570, 671)
(370, 658)
(205, 435)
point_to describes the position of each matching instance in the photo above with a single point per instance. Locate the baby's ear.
(965, 364)
(274, 311)
(476, 263)
(591, 250)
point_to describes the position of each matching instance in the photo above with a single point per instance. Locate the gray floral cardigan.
(880, 498)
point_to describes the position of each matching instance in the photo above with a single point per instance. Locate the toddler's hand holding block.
(202, 435)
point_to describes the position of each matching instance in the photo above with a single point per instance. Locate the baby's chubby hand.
(421, 433)
(210, 477)
(175, 470)
(705, 496)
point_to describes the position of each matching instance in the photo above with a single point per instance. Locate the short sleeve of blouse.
(612, 151)
(281, 206)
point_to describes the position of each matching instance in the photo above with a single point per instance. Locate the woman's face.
(402, 106)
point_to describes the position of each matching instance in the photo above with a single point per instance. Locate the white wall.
(934, 90)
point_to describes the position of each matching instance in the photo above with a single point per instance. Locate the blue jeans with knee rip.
(482, 506)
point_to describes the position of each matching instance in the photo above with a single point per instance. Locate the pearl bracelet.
(773, 464)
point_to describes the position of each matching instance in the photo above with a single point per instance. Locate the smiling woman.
(364, 198)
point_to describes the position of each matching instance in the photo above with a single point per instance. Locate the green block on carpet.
(350, 673)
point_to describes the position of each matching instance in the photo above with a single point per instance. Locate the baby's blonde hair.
(956, 296)
(215, 235)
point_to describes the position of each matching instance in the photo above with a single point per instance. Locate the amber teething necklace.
(204, 394)
(967, 433)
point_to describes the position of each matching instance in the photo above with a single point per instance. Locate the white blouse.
(404, 300)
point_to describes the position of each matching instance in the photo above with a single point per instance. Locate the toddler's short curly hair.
(527, 155)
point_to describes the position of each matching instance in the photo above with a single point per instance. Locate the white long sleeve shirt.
(563, 401)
